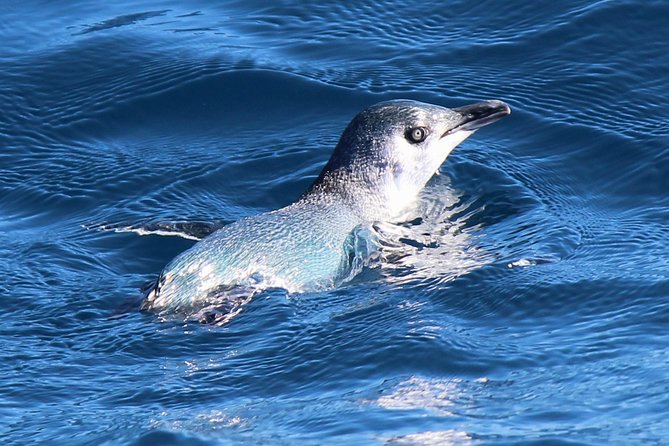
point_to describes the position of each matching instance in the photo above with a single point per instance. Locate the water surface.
(534, 310)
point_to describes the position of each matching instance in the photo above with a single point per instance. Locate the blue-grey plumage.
(383, 159)
(299, 247)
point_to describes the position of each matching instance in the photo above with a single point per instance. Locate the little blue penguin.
(385, 156)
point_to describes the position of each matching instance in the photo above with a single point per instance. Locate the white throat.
(402, 186)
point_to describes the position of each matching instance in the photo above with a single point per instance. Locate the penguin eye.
(416, 134)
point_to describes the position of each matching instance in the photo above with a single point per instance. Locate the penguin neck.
(371, 199)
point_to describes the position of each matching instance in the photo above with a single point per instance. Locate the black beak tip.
(477, 115)
(502, 107)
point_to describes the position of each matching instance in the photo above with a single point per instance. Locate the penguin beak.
(477, 115)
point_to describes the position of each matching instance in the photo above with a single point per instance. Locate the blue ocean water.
(535, 313)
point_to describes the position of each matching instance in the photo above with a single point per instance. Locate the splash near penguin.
(384, 158)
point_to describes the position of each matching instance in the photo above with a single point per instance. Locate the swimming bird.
(384, 158)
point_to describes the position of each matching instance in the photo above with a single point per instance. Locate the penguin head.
(390, 150)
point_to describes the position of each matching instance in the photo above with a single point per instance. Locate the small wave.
(124, 20)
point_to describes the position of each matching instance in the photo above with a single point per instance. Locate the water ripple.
(526, 302)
